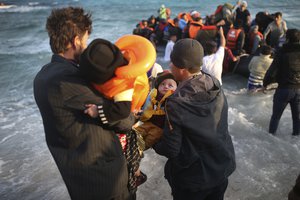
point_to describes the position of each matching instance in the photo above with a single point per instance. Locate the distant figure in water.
(213, 60)
(258, 67)
(170, 44)
(162, 12)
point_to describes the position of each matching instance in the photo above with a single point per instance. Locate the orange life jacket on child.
(141, 56)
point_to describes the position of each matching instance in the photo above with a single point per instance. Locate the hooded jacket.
(195, 139)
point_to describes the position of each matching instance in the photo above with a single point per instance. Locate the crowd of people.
(242, 34)
(97, 142)
(259, 39)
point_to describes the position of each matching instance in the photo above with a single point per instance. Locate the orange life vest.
(171, 22)
(207, 33)
(212, 27)
(189, 17)
(179, 16)
(232, 37)
(194, 28)
(141, 25)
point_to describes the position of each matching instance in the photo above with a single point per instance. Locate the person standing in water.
(195, 138)
(88, 155)
(285, 70)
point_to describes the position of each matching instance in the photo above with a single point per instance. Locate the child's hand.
(137, 114)
(91, 110)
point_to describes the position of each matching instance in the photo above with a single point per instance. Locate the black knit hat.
(187, 53)
(99, 61)
(163, 76)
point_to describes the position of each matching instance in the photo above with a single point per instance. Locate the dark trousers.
(281, 98)
(216, 193)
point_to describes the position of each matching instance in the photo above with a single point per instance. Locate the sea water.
(267, 166)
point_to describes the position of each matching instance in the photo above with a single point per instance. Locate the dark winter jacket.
(88, 155)
(285, 69)
(195, 139)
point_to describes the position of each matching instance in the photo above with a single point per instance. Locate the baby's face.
(166, 85)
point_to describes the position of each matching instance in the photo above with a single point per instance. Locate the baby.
(149, 128)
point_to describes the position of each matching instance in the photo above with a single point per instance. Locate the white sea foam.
(7, 137)
(24, 9)
(33, 3)
(8, 126)
(24, 45)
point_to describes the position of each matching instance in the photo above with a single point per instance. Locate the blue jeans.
(281, 98)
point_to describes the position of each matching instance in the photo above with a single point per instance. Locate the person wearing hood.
(195, 138)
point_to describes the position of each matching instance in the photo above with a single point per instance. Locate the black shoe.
(295, 134)
(141, 179)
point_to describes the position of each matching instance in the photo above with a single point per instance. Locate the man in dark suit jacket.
(86, 150)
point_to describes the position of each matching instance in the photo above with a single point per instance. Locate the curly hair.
(64, 24)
